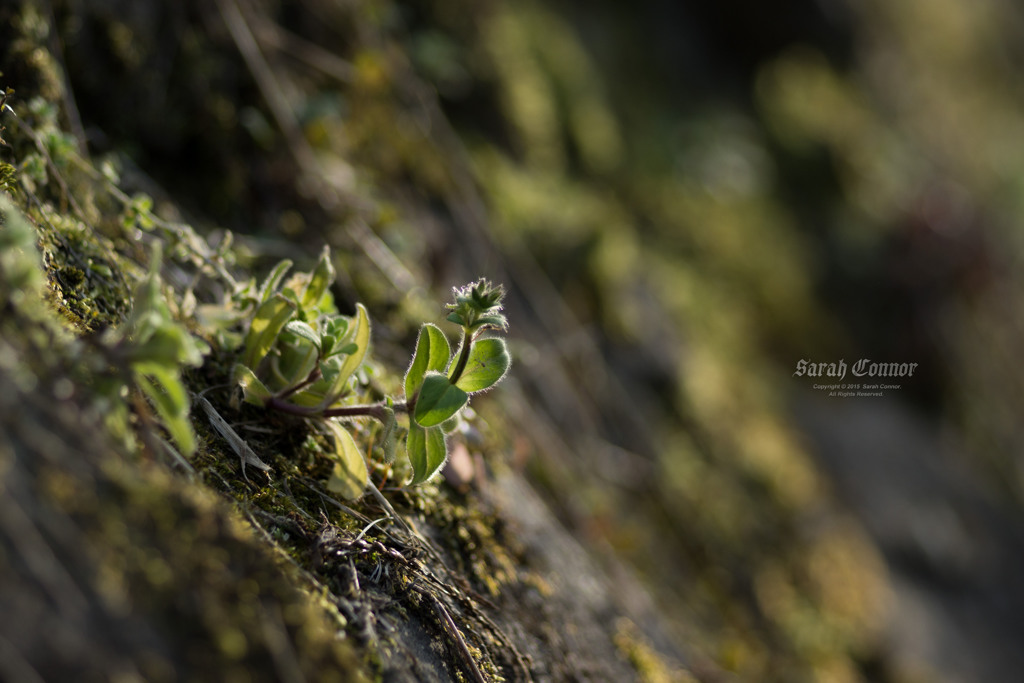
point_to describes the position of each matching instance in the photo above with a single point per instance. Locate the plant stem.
(313, 376)
(377, 411)
(460, 364)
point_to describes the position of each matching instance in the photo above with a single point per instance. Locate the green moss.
(8, 178)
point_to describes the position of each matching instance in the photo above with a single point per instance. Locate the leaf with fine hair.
(427, 452)
(347, 349)
(273, 281)
(361, 338)
(497, 322)
(320, 279)
(327, 344)
(388, 442)
(301, 329)
(349, 477)
(294, 359)
(272, 315)
(334, 325)
(432, 353)
(438, 400)
(488, 362)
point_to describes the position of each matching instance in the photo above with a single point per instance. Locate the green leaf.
(320, 279)
(327, 344)
(301, 329)
(275, 375)
(347, 349)
(296, 358)
(149, 307)
(271, 316)
(154, 334)
(427, 452)
(335, 325)
(361, 338)
(388, 442)
(438, 400)
(253, 390)
(165, 390)
(498, 322)
(289, 293)
(168, 343)
(488, 362)
(273, 281)
(349, 477)
(20, 262)
(432, 353)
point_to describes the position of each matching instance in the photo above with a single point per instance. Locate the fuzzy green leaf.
(327, 344)
(488, 362)
(361, 338)
(427, 452)
(295, 360)
(349, 477)
(273, 281)
(301, 329)
(432, 354)
(498, 322)
(164, 389)
(253, 390)
(334, 325)
(347, 349)
(438, 400)
(388, 442)
(320, 279)
(270, 318)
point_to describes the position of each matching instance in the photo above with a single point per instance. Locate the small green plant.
(148, 350)
(154, 347)
(300, 356)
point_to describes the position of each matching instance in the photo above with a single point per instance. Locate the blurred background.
(685, 199)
